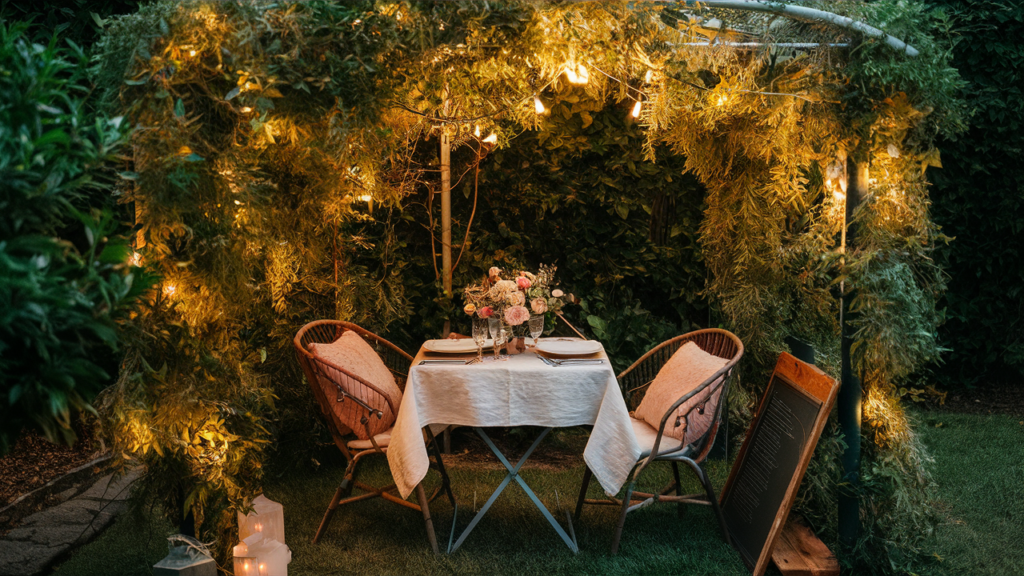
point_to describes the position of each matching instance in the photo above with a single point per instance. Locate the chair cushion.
(382, 440)
(686, 370)
(645, 436)
(357, 357)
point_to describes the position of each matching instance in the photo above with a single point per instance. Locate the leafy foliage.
(284, 170)
(59, 295)
(978, 200)
(76, 20)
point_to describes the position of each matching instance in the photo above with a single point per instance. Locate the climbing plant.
(283, 169)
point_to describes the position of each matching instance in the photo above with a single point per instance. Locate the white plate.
(569, 347)
(451, 346)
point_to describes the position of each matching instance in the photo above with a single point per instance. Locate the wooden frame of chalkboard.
(780, 441)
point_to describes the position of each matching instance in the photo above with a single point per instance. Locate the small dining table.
(521, 390)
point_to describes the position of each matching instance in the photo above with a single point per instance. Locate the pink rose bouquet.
(513, 300)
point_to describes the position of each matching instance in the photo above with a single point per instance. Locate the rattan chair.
(634, 382)
(370, 405)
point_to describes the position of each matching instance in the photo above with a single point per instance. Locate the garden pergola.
(850, 397)
(249, 111)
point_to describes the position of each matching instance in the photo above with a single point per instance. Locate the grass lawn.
(977, 464)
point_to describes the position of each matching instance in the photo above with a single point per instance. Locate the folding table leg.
(513, 474)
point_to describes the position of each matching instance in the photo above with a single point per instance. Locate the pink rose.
(485, 312)
(539, 305)
(516, 315)
(556, 293)
(523, 282)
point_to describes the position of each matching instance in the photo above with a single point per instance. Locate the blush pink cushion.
(357, 357)
(687, 369)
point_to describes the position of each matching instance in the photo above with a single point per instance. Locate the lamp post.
(850, 392)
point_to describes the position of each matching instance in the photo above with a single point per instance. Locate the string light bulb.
(636, 109)
(722, 99)
(582, 74)
(246, 109)
(492, 138)
(538, 105)
(365, 198)
(571, 75)
(192, 53)
(477, 131)
(169, 290)
(649, 76)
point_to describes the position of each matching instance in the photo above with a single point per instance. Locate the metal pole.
(806, 14)
(850, 391)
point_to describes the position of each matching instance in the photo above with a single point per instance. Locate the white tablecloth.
(522, 391)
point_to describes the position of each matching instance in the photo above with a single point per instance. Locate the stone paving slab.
(32, 546)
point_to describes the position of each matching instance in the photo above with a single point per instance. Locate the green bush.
(64, 277)
(978, 199)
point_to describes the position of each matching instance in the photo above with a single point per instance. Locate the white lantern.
(262, 551)
(259, 556)
(267, 519)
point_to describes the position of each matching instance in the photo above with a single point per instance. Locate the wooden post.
(446, 214)
(850, 391)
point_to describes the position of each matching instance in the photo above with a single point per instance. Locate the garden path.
(40, 539)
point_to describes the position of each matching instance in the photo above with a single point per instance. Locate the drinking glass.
(480, 331)
(536, 327)
(500, 336)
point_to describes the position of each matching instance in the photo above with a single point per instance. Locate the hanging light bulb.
(582, 74)
(477, 131)
(492, 138)
(538, 105)
(636, 109)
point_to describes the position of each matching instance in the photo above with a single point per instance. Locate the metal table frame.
(513, 474)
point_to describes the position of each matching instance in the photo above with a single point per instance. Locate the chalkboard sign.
(780, 441)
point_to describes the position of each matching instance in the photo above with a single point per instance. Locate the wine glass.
(536, 327)
(480, 331)
(500, 336)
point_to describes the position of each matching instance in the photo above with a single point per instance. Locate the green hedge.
(978, 199)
